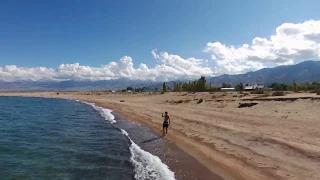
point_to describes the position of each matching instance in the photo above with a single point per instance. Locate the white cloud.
(168, 67)
(290, 43)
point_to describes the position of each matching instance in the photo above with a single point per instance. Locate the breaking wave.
(146, 165)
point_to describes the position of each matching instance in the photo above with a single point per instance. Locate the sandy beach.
(275, 138)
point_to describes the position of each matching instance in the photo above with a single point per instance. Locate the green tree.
(164, 87)
(279, 87)
(239, 87)
(179, 87)
(226, 85)
(201, 84)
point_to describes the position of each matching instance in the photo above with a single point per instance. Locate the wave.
(105, 113)
(146, 165)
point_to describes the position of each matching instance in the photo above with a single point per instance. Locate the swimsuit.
(165, 123)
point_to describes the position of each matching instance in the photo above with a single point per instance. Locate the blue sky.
(50, 33)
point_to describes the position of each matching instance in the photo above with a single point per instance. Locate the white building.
(228, 89)
(253, 87)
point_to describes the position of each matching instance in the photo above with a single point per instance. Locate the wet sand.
(182, 164)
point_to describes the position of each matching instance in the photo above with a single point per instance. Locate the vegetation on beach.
(201, 85)
(295, 87)
(200, 101)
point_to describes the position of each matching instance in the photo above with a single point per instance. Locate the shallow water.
(63, 139)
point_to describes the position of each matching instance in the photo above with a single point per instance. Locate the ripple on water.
(59, 139)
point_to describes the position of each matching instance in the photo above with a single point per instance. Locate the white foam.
(106, 113)
(146, 165)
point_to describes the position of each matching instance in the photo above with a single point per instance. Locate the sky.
(156, 40)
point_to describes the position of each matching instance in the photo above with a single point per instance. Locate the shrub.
(278, 93)
(200, 101)
(162, 92)
(317, 91)
(187, 100)
(180, 101)
(235, 95)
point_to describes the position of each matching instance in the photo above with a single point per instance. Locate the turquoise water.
(60, 139)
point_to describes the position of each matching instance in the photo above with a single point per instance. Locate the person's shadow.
(150, 140)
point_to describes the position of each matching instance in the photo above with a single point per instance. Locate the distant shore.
(263, 140)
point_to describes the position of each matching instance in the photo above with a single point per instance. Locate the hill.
(307, 71)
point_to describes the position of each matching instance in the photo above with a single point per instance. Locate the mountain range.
(307, 71)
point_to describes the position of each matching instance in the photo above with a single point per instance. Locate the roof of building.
(254, 86)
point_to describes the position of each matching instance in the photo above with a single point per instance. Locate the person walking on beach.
(166, 122)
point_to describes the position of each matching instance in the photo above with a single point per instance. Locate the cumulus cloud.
(168, 67)
(291, 43)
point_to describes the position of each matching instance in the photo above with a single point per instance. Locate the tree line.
(201, 85)
(295, 86)
(138, 89)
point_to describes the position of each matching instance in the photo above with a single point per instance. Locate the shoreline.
(183, 164)
(202, 153)
(179, 141)
(216, 162)
(178, 161)
(266, 141)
